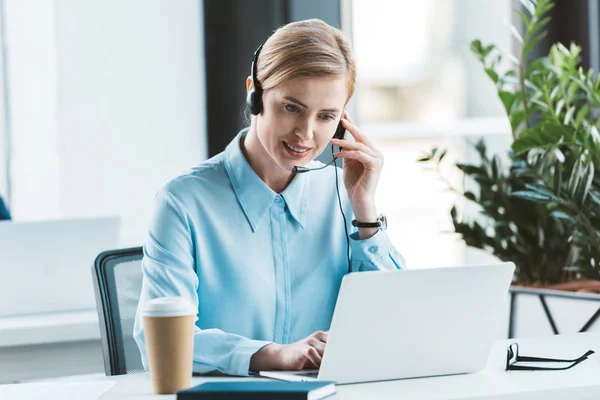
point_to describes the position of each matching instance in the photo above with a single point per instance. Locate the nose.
(305, 129)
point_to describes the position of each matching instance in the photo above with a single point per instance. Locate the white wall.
(4, 139)
(107, 104)
(120, 111)
(32, 99)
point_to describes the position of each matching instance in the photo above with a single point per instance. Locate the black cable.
(337, 187)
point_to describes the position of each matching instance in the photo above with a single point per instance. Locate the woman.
(259, 251)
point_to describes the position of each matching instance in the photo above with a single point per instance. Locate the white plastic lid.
(168, 307)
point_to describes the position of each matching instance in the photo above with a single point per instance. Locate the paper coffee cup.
(169, 332)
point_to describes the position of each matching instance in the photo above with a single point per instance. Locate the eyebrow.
(294, 100)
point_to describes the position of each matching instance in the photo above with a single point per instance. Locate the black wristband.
(380, 223)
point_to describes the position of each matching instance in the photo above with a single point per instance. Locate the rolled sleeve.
(375, 253)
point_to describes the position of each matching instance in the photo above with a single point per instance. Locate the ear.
(249, 84)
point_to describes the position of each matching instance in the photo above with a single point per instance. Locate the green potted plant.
(542, 211)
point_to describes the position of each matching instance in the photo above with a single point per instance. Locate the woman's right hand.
(303, 354)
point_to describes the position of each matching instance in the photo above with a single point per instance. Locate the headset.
(255, 104)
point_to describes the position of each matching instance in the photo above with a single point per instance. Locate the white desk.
(61, 343)
(581, 382)
(57, 327)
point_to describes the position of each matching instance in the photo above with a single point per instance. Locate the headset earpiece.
(254, 96)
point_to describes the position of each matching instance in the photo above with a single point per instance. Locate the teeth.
(297, 150)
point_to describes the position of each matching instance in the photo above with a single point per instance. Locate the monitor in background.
(45, 265)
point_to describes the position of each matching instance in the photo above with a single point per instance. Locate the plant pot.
(547, 311)
(587, 286)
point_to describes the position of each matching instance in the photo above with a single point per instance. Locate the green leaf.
(492, 74)
(481, 149)
(586, 183)
(469, 169)
(470, 196)
(453, 212)
(529, 6)
(548, 135)
(544, 7)
(595, 197)
(442, 154)
(581, 114)
(554, 92)
(557, 178)
(541, 190)
(516, 34)
(594, 134)
(523, 17)
(516, 118)
(575, 178)
(533, 42)
(559, 107)
(507, 99)
(476, 45)
(539, 103)
(572, 89)
(495, 167)
(597, 82)
(569, 115)
(563, 215)
(539, 25)
(531, 85)
(561, 47)
(531, 196)
(488, 49)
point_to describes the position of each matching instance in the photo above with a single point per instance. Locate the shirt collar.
(254, 196)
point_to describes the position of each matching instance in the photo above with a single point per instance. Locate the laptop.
(412, 323)
(45, 265)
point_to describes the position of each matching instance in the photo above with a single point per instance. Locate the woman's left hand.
(362, 168)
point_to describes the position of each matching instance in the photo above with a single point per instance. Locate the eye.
(327, 117)
(291, 108)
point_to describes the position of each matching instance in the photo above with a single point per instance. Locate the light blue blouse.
(260, 267)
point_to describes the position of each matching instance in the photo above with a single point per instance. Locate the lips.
(298, 146)
(295, 150)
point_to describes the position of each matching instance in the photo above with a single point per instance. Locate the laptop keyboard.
(309, 374)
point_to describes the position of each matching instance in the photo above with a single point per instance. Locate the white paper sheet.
(55, 390)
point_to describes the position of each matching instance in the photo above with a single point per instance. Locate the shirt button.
(373, 249)
(278, 199)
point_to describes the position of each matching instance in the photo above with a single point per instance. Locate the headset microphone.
(300, 170)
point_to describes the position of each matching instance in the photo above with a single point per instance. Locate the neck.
(262, 163)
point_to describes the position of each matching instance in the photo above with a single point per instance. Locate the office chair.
(117, 283)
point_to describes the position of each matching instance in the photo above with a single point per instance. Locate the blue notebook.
(264, 390)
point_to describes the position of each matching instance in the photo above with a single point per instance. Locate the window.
(100, 119)
(418, 86)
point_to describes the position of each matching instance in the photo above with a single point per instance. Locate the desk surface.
(581, 382)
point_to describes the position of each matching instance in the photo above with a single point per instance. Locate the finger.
(347, 145)
(321, 336)
(359, 156)
(318, 345)
(348, 117)
(314, 357)
(355, 132)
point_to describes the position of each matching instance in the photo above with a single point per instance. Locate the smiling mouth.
(296, 149)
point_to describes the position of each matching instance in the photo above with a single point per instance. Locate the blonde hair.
(309, 48)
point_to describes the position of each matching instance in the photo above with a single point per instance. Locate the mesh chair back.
(118, 283)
